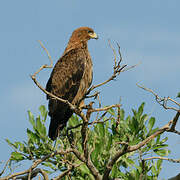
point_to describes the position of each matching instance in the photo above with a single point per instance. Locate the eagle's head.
(79, 38)
(84, 34)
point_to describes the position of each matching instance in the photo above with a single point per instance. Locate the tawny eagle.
(70, 78)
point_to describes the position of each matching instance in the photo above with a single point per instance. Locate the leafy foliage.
(178, 95)
(105, 138)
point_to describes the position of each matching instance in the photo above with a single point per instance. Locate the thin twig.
(117, 68)
(114, 53)
(105, 108)
(131, 67)
(34, 173)
(52, 95)
(163, 158)
(175, 119)
(64, 173)
(5, 166)
(49, 57)
(161, 101)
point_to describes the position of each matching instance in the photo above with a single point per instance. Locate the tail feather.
(58, 122)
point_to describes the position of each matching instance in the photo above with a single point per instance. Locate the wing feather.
(65, 78)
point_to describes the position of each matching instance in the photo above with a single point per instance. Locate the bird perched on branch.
(70, 79)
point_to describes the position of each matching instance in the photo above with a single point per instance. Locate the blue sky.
(148, 32)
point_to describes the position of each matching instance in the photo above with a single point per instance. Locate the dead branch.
(85, 157)
(112, 161)
(34, 173)
(175, 119)
(105, 108)
(162, 101)
(5, 166)
(117, 68)
(88, 163)
(49, 57)
(163, 158)
(52, 95)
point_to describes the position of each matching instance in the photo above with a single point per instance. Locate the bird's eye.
(90, 32)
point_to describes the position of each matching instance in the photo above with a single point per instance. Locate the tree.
(100, 143)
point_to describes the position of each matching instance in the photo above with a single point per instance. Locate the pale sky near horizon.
(147, 31)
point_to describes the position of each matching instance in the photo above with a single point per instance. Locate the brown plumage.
(70, 79)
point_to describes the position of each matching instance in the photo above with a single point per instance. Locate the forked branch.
(162, 101)
(117, 68)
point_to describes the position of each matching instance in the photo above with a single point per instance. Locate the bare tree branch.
(161, 101)
(163, 158)
(117, 68)
(67, 171)
(34, 173)
(105, 108)
(52, 95)
(45, 65)
(5, 166)
(175, 119)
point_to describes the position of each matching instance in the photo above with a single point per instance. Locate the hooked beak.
(94, 36)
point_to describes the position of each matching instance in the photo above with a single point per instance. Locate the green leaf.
(159, 146)
(141, 108)
(129, 161)
(33, 137)
(101, 130)
(114, 171)
(74, 120)
(158, 139)
(151, 123)
(40, 127)
(134, 142)
(134, 112)
(16, 156)
(122, 114)
(164, 140)
(152, 131)
(84, 169)
(109, 143)
(144, 118)
(111, 111)
(97, 148)
(31, 118)
(178, 95)
(135, 124)
(50, 165)
(11, 144)
(42, 109)
(162, 152)
(159, 162)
